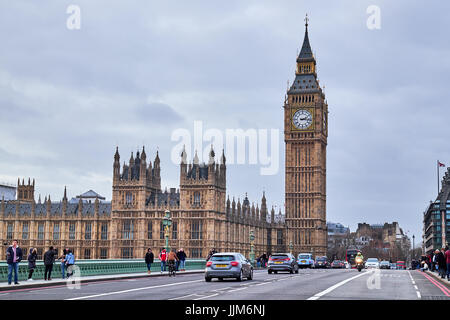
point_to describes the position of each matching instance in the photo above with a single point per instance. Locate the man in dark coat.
(440, 261)
(13, 257)
(31, 263)
(49, 259)
(149, 257)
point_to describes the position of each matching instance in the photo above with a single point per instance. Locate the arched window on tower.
(129, 198)
(197, 198)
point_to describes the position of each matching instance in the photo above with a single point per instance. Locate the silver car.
(228, 265)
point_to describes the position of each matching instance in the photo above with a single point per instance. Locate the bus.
(350, 255)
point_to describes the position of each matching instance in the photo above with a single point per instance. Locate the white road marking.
(132, 290)
(237, 289)
(213, 295)
(415, 286)
(337, 285)
(189, 295)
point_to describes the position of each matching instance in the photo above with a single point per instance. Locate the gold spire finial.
(306, 21)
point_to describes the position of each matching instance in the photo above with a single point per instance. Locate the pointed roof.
(90, 194)
(306, 51)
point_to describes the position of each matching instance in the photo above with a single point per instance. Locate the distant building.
(385, 241)
(338, 240)
(7, 191)
(436, 218)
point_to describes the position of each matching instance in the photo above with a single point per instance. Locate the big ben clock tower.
(305, 135)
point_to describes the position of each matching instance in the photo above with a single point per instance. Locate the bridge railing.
(95, 268)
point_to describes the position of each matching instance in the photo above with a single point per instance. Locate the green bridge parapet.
(95, 268)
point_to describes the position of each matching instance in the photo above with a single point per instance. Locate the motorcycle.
(359, 264)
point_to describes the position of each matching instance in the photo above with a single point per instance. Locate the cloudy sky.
(136, 71)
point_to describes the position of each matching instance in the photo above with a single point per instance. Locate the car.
(321, 262)
(305, 260)
(282, 262)
(385, 264)
(401, 265)
(337, 264)
(228, 265)
(372, 263)
(393, 266)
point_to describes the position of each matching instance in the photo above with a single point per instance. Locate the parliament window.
(196, 253)
(72, 231)
(174, 230)
(196, 230)
(87, 253)
(104, 231)
(161, 230)
(128, 230)
(10, 231)
(197, 198)
(127, 253)
(40, 231)
(88, 231)
(39, 252)
(25, 230)
(103, 253)
(56, 233)
(149, 230)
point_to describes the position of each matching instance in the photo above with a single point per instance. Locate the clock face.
(302, 119)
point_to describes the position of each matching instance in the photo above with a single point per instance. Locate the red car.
(401, 265)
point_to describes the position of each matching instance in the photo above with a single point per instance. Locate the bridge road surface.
(308, 284)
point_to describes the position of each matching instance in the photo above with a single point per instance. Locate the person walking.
(182, 259)
(440, 261)
(62, 258)
(13, 258)
(434, 262)
(31, 263)
(163, 258)
(171, 260)
(447, 261)
(149, 260)
(49, 259)
(70, 261)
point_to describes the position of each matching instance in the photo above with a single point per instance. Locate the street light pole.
(252, 246)
(167, 222)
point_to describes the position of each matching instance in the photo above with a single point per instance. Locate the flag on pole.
(441, 164)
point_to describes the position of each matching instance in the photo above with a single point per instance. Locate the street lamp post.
(252, 246)
(413, 246)
(167, 222)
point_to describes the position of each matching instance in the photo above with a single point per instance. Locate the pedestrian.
(264, 260)
(70, 261)
(31, 263)
(13, 258)
(258, 262)
(209, 255)
(163, 258)
(178, 260)
(49, 259)
(440, 261)
(434, 262)
(171, 260)
(62, 258)
(447, 261)
(149, 260)
(182, 259)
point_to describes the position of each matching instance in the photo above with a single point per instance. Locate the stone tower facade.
(306, 131)
(25, 192)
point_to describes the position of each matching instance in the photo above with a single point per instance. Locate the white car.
(372, 263)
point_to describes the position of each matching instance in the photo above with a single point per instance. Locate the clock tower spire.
(305, 136)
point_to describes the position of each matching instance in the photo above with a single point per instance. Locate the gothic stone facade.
(202, 218)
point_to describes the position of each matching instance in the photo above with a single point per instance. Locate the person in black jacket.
(440, 261)
(13, 257)
(31, 262)
(49, 259)
(149, 259)
(181, 259)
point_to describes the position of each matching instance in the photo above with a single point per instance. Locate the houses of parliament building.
(203, 216)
